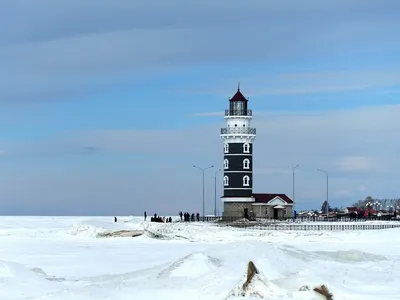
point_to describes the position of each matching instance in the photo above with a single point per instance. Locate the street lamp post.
(327, 191)
(293, 169)
(215, 192)
(203, 170)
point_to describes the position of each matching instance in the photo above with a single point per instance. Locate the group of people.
(158, 219)
(187, 217)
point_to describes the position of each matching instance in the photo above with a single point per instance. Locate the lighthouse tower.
(238, 136)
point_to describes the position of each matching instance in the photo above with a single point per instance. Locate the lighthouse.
(239, 199)
(238, 137)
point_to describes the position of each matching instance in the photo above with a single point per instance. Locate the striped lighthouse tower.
(238, 136)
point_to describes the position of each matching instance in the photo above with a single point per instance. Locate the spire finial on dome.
(238, 86)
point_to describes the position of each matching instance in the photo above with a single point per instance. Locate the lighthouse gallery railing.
(238, 112)
(238, 130)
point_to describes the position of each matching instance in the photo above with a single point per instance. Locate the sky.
(105, 106)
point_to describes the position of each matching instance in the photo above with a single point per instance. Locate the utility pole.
(203, 170)
(293, 169)
(327, 191)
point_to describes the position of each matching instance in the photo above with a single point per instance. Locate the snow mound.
(100, 228)
(175, 231)
(14, 270)
(199, 232)
(160, 232)
(242, 221)
(193, 265)
(343, 256)
(17, 281)
(39, 271)
(207, 232)
(350, 256)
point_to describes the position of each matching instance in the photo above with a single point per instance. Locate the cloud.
(363, 188)
(342, 193)
(310, 90)
(208, 114)
(271, 171)
(356, 164)
(84, 49)
(156, 165)
(143, 142)
(304, 83)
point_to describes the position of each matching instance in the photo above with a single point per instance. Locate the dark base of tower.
(237, 210)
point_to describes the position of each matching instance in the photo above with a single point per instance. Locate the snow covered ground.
(64, 258)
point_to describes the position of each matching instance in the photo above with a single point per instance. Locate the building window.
(266, 211)
(226, 164)
(238, 106)
(226, 148)
(246, 163)
(226, 180)
(246, 148)
(246, 180)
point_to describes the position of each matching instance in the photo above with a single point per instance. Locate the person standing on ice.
(145, 215)
(181, 214)
(115, 219)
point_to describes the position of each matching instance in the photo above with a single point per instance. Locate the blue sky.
(104, 107)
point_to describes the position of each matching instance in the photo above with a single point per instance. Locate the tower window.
(246, 163)
(226, 164)
(226, 148)
(226, 180)
(246, 180)
(246, 148)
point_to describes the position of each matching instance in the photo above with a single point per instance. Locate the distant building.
(238, 198)
(355, 210)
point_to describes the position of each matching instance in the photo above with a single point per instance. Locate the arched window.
(246, 180)
(226, 180)
(246, 148)
(226, 164)
(226, 148)
(246, 163)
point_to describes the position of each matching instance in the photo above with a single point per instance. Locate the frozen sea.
(64, 258)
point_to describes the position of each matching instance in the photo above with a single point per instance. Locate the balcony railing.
(238, 130)
(242, 112)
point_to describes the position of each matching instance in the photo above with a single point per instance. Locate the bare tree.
(396, 204)
(361, 204)
(358, 204)
(323, 208)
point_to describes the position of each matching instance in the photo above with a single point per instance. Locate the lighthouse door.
(246, 213)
